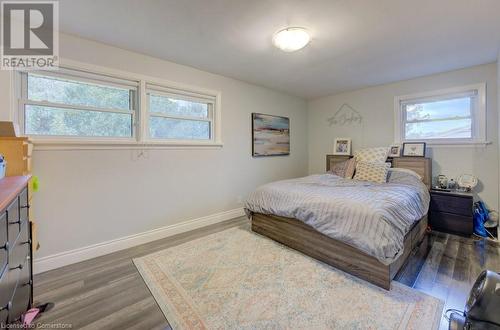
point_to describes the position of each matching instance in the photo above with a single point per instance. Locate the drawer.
(451, 204)
(7, 285)
(3, 241)
(21, 300)
(453, 223)
(20, 251)
(24, 205)
(13, 222)
(418, 232)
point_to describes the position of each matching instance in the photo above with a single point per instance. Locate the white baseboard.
(54, 261)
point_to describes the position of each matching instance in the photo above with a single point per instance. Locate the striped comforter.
(373, 217)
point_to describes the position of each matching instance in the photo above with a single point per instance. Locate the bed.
(358, 253)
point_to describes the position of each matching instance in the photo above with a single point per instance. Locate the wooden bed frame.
(301, 237)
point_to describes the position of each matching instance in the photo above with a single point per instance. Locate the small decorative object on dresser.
(467, 182)
(342, 146)
(442, 181)
(414, 149)
(451, 212)
(395, 151)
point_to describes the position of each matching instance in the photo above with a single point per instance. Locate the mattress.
(372, 217)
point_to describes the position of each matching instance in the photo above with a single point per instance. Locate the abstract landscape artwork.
(270, 135)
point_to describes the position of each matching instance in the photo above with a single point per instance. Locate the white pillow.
(375, 172)
(372, 155)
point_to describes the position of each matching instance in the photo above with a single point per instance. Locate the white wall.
(92, 196)
(376, 105)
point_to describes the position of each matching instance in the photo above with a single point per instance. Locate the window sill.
(47, 145)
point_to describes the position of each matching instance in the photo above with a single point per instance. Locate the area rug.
(236, 279)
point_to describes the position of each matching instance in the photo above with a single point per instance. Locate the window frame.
(182, 95)
(478, 114)
(140, 139)
(84, 77)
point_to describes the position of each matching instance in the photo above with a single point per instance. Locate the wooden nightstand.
(451, 212)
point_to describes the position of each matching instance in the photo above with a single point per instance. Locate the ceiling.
(355, 43)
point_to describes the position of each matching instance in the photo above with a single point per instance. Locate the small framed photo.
(342, 146)
(395, 151)
(414, 149)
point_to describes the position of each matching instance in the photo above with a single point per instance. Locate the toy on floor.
(29, 316)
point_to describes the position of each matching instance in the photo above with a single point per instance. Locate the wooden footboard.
(303, 238)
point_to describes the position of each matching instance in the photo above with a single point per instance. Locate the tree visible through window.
(78, 106)
(66, 106)
(174, 117)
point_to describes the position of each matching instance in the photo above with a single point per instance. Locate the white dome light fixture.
(291, 39)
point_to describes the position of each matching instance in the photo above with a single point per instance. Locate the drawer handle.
(27, 242)
(7, 307)
(5, 246)
(15, 222)
(18, 267)
(27, 206)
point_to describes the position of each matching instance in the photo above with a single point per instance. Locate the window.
(89, 106)
(74, 104)
(449, 116)
(177, 115)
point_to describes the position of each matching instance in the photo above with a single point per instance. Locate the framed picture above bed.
(270, 135)
(342, 146)
(414, 149)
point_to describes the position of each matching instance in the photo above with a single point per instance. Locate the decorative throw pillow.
(375, 172)
(372, 155)
(344, 169)
(351, 167)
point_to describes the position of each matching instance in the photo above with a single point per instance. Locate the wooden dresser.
(451, 212)
(16, 276)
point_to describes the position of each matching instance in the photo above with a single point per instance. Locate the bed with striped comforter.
(373, 217)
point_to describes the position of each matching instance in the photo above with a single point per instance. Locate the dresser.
(16, 276)
(451, 212)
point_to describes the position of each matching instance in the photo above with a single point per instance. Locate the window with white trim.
(179, 115)
(74, 104)
(86, 105)
(451, 116)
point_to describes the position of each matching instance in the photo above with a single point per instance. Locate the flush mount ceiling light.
(291, 39)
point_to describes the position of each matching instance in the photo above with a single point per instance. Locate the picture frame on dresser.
(394, 151)
(414, 149)
(342, 147)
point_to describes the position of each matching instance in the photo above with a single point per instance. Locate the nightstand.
(451, 212)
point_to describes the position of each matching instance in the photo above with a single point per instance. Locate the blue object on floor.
(480, 217)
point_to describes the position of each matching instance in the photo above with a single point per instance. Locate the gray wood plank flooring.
(108, 293)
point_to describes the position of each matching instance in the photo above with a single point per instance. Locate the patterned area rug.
(238, 279)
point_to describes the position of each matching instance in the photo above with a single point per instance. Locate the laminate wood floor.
(108, 293)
